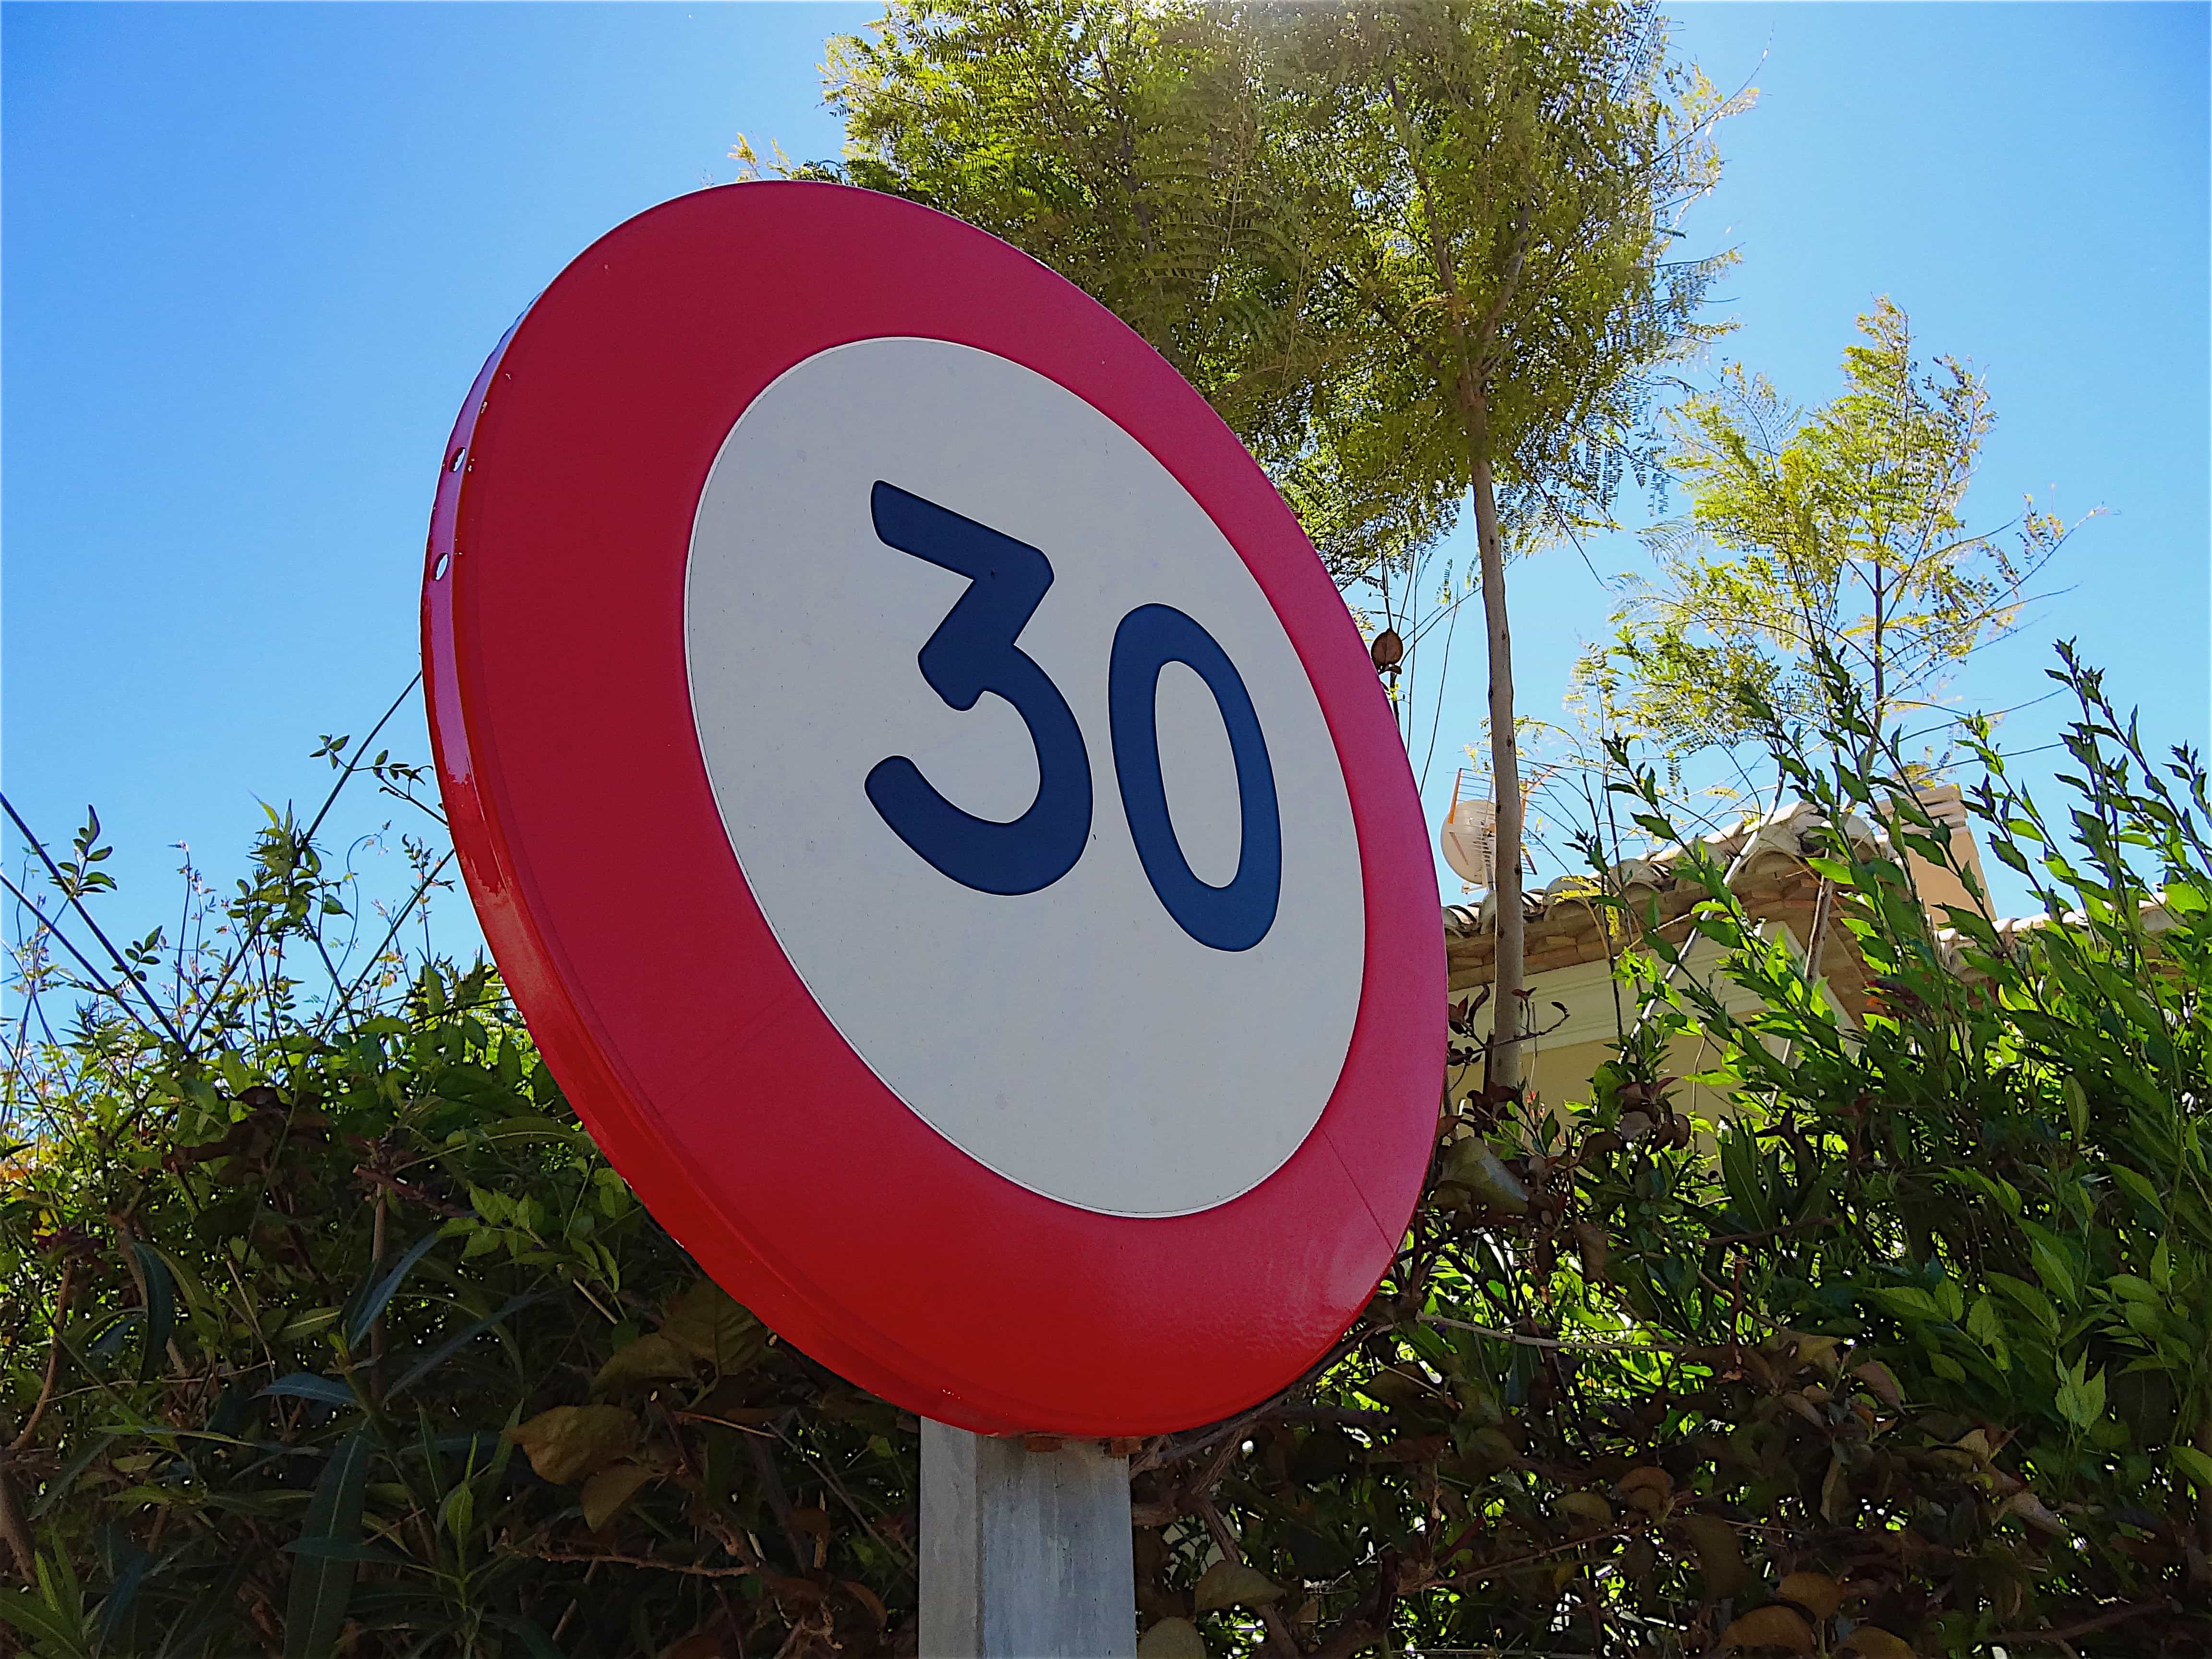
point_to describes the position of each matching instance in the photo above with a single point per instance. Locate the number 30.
(974, 651)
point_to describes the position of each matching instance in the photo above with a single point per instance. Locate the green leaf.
(1907, 1303)
(322, 1585)
(453, 1344)
(306, 1385)
(2054, 1261)
(2037, 1305)
(2197, 1465)
(1983, 1324)
(364, 1315)
(30, 1612)
(2080, 1397)
(160, 1309)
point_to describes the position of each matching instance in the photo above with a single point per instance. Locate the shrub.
(330, 1332)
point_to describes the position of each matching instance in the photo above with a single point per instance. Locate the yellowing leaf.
(705, 1323)
(569, 1442)
(1472, 1165)
(1586, 1506)
(2032, 1510)
(1231, 1584)
(1775, 1626)
(605, 1492)
(649, 1360)
(1873, 1641)
(1720, 1559)
(1171, 1639)
(1815, 1592)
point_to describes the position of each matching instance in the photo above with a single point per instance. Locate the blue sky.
(254, 256)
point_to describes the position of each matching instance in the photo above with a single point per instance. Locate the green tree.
(1840, 532)
(1417, 254)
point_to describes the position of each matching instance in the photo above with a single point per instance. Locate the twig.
(399, 1188)
(84, 961)
(77, 904)
(248, 935)
(1278, 1631)
(53, 1359)
(2085, 1627)
(1476, 1575)
(844, 1496)
(1554, 1344)
(578, 1557)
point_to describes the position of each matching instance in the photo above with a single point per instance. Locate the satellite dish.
(1468, 836)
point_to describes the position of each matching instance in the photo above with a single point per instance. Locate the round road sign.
(935, 813)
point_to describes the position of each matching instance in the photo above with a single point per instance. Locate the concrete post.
(1024, 1555)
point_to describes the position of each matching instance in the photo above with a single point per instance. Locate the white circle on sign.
(1075, 1039)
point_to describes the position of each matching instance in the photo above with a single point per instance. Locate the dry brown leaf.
(1815, 1592)
(1881, 1381)
(1835, 1490)
(1171, 1639)
(1594, 1248)
(569, 1442)
(1774, 1626)
(1805, 1408)
(866, 1597)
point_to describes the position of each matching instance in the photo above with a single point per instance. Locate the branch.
(581, 1558)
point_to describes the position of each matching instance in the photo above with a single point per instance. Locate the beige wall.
(1579, 1013)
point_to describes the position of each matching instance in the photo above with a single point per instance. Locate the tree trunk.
(1505, 1067)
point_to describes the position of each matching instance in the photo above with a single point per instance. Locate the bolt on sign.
(935, 812)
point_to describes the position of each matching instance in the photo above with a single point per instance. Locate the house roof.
(1764, 859)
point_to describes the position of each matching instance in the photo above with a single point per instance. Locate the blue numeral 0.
(1236, 917)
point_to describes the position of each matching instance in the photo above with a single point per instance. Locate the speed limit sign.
(936, 814)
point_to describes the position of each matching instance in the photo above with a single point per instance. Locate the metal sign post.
(1024, 1554)
(945, 833)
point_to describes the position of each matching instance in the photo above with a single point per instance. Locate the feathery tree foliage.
(1837, 533)
(1416, 255)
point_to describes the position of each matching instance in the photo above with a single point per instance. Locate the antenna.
(1468, 836)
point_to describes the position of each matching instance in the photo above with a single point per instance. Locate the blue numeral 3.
(972, 652)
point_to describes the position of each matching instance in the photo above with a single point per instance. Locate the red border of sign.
(561, 717)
